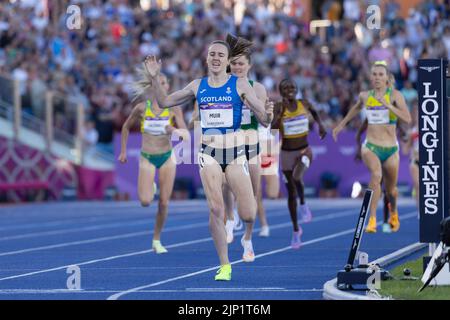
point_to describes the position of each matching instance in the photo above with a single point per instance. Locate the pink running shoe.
(296, 242)
(305, 213)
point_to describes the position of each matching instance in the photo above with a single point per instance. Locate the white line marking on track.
(187, 290)
(102, 239)
(99, 211)
(72, 230)
(248, 290)
(116, 223)
(96, 217)
(331, 236)
(131, 235)
(281, 225)
(113, 223)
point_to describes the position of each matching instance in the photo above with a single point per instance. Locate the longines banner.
(433, 152)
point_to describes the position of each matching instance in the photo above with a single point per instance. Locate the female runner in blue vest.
(383, 106)
(157, 125)
(220, 97)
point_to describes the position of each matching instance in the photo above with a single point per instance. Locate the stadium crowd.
(95, 64)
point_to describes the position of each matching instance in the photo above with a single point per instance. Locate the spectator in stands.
(116, 35)
(409, 93)
(90, 136)
(106, 110)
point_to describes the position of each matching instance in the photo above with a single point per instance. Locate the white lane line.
(119, 223)
(39, 225)
(246, 290)
(121, 236)
(331, 236)
(278, 226)
(131, 254)
(93, 213)
(113, 223)
(187, 290)
(86, 209)
(94, 217)
(186, 215)
(36, 208)
(49, 224)
(99, 214)
(101, 239)
(72, 230)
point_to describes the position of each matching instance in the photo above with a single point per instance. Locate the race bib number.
(216, 116)
(264, 133)
(156, 127)
(296, 126)
(246, 116)
(378, 116)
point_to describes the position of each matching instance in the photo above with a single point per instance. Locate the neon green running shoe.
(158, 247)
(224, 273)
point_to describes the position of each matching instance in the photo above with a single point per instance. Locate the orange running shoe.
(372, 225)
(394, 222)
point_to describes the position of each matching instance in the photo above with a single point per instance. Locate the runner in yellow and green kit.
(383, 106)
(157, 125)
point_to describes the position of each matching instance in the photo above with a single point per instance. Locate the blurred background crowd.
(95, 64)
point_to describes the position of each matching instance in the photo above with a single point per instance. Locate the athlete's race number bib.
(378, 116)
(156, 127)
(264, 133)
(216, 116)
(296, 126)
(246, 116)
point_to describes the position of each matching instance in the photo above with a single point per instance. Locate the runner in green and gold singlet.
(157, 125)
(383, 106)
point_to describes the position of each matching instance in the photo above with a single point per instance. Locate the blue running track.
(111, 244)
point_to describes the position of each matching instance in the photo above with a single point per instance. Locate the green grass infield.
(407, 289)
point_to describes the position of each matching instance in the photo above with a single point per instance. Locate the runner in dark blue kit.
(220, 97)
